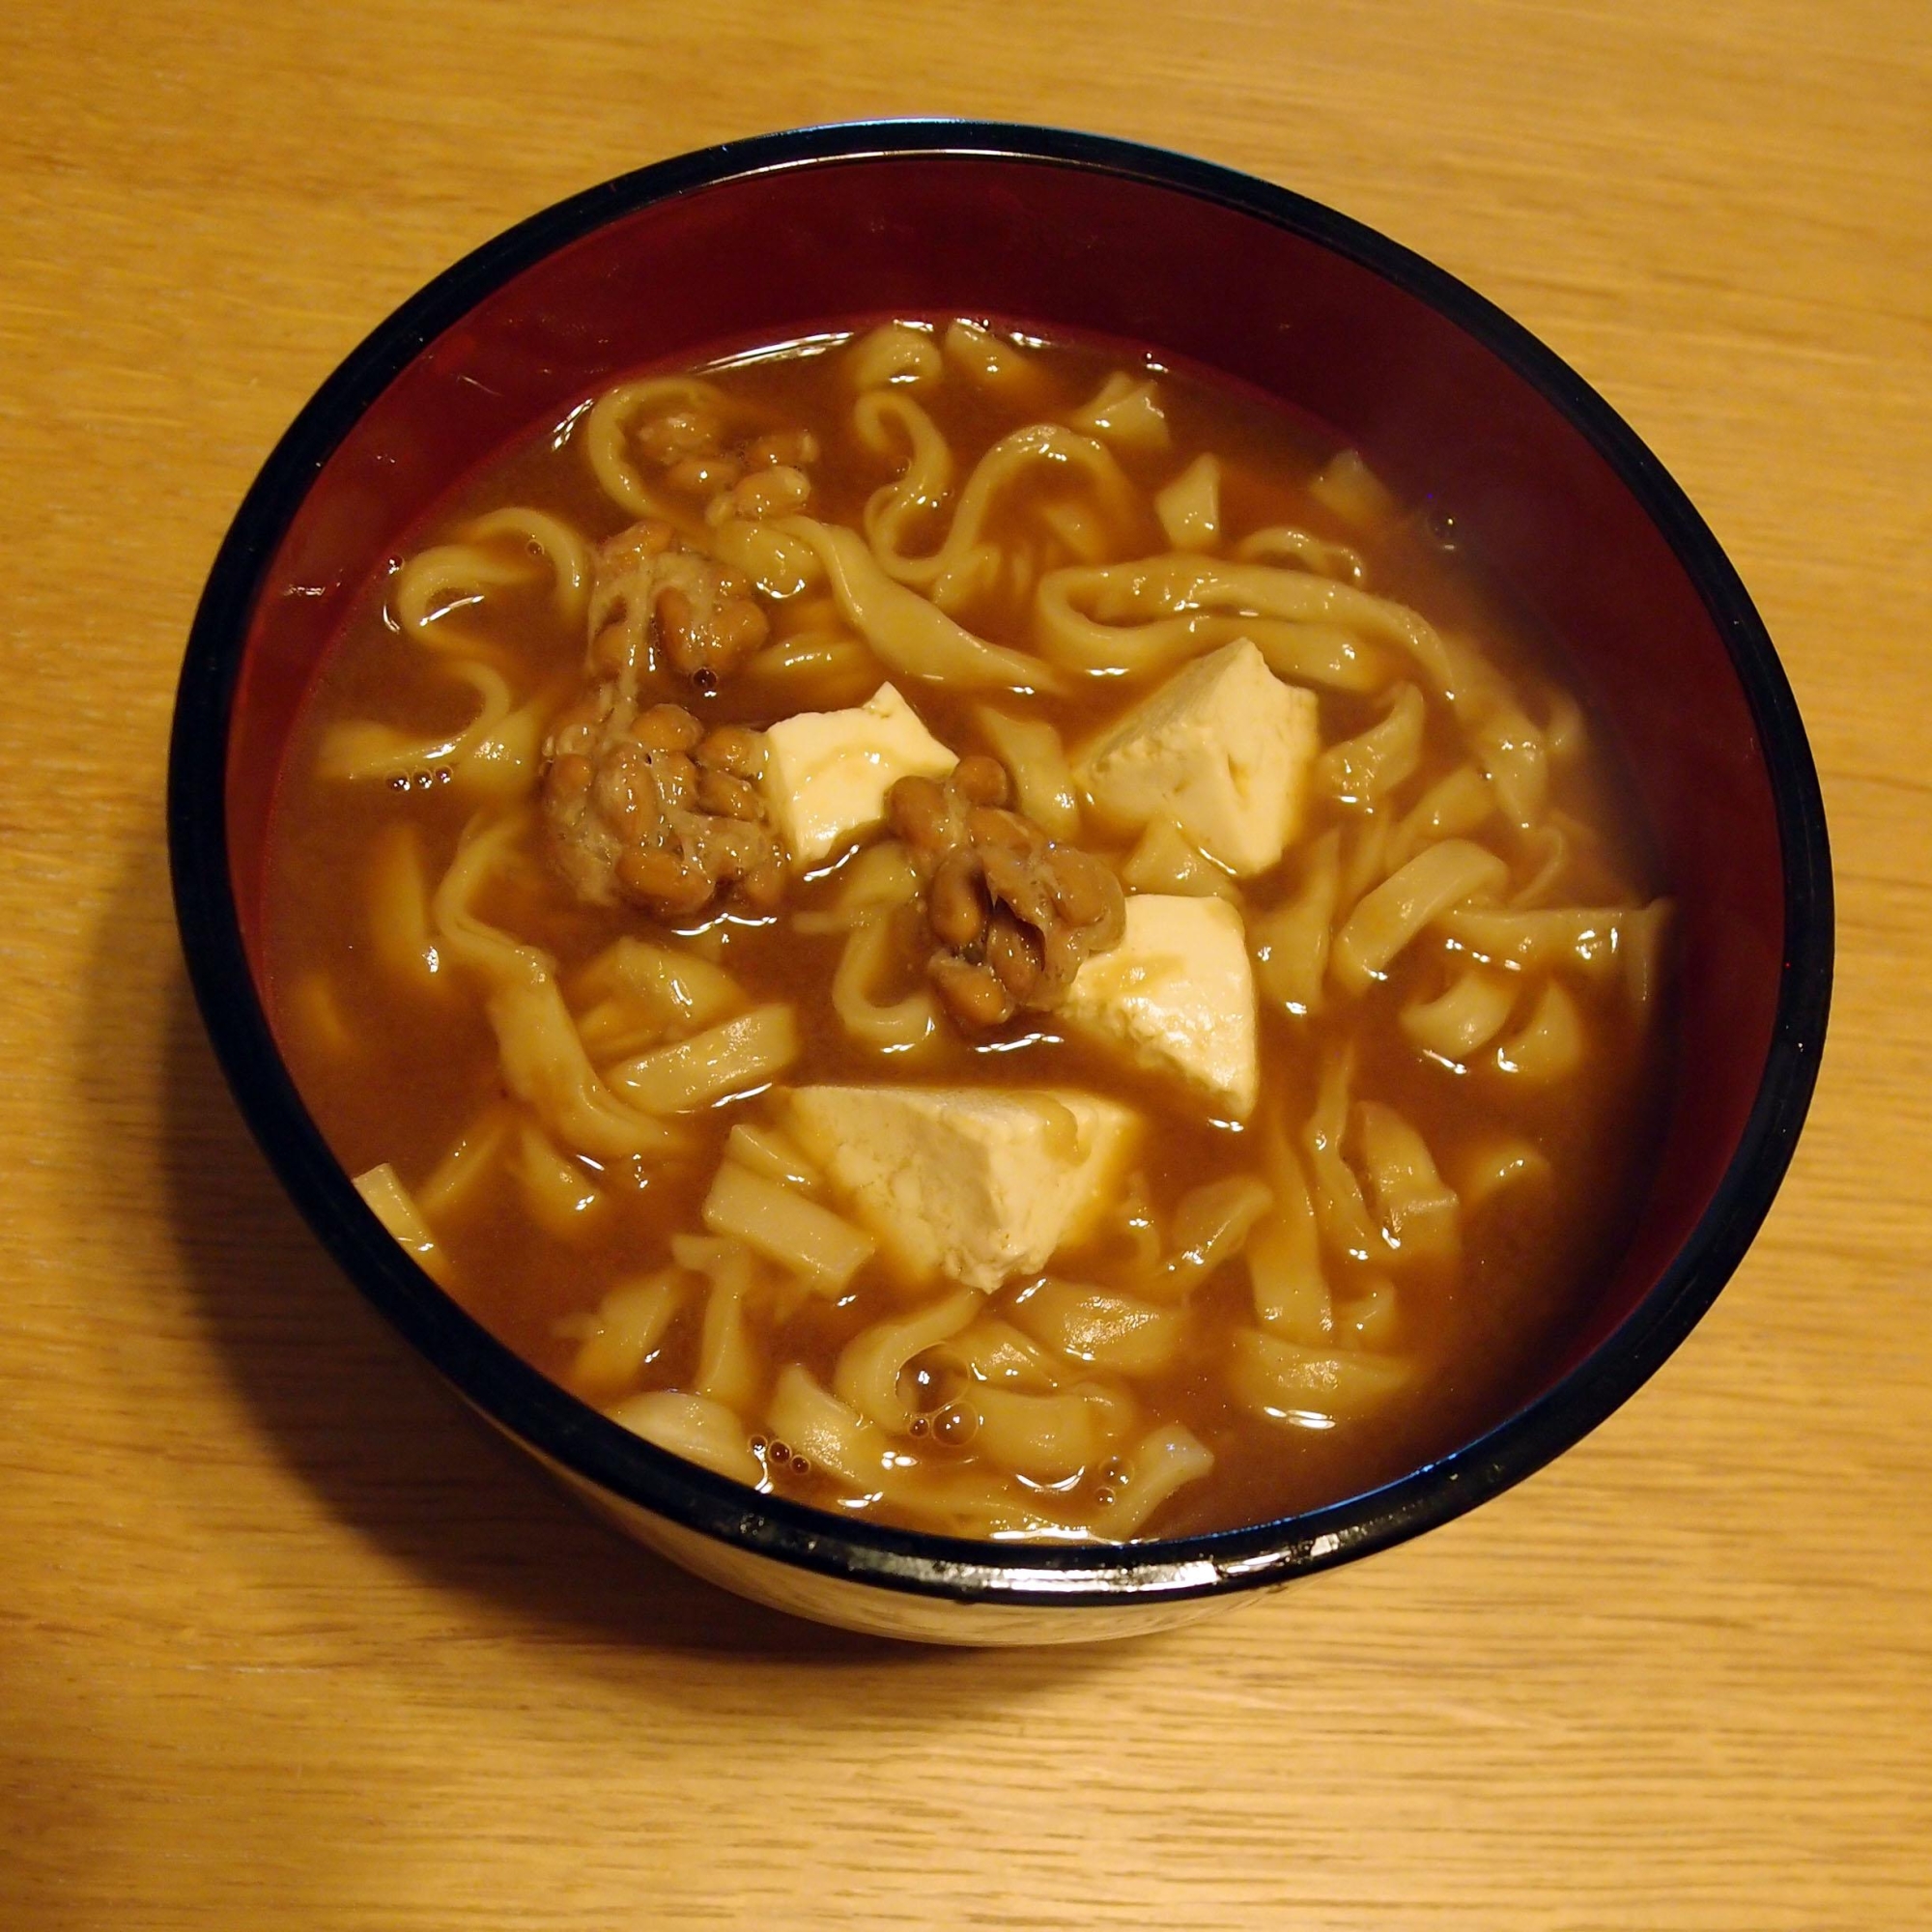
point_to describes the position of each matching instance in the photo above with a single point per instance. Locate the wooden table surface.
(287, 1640)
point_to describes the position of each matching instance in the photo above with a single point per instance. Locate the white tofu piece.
(1178, 993)
(975, 1183)
(1223, 748)
(827, 773)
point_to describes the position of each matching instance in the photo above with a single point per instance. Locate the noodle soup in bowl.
(1012, 884)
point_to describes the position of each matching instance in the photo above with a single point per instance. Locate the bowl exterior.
(985, 1620)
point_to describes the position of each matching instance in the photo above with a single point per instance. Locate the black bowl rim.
(567, 1432)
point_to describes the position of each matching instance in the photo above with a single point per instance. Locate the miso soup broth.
(978, 933)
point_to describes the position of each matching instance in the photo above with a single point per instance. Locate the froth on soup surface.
(976, 934)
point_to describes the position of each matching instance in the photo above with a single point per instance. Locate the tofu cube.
(827, 773)
(1223, 748)
(1178, 993)
(976, 1184)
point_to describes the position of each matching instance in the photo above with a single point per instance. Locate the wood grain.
(286, 1640)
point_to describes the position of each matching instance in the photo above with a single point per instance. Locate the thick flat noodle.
(1551, 841)
(606, 432)
(1079, 528)
(996, 1353)
(993, 362)
(831, 1435)
(1292, 942)
(871, 1367)
(1164, 862)
(736, 1055)
(906, 631)
(1312, 1388)
(817, 1246)
(630, 1322)
(469, 1162)
(695, 1427)
(881, 419)
(1189, 508)
(1360, 770)
(538, 533)
(878, 880)
(1035, 759)
(392, 1204)
(399, 922)
(886, 1026)
(1370, 1315)
(498, 551)
(1450, 808)
(819, 668)
(436, 583)
(1048, 1439)
(964, 559)
(1505, 739)
(1125, 1334)
(1551, 1043)
(1421, 1216)
(1566, 736)
(543, 1060)
(1164, 1461)
(1125, 618)
(1281, 544)
(560, 1196)
(545, 1067)
(494, 756)
(1323, 654)
(1211, 1224)
(1284, 1255)
(772, 1153)
(1442, 876)
(779, 565)
(870, 1465)
(311, 1007)
(1126, 411)
(1644, 942)
(1336, 1194)
(1593, 938)
(362, 749)
(1365, 862)
(1465, 1017)
(641, 993)
(500, 762)
(1499, 1165)
(896, 352)
(728, 1371)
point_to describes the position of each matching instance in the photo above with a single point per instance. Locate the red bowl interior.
(780, 254)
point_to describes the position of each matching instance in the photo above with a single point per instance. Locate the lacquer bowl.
(778, 238)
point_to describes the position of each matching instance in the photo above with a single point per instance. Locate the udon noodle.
(976, 933)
